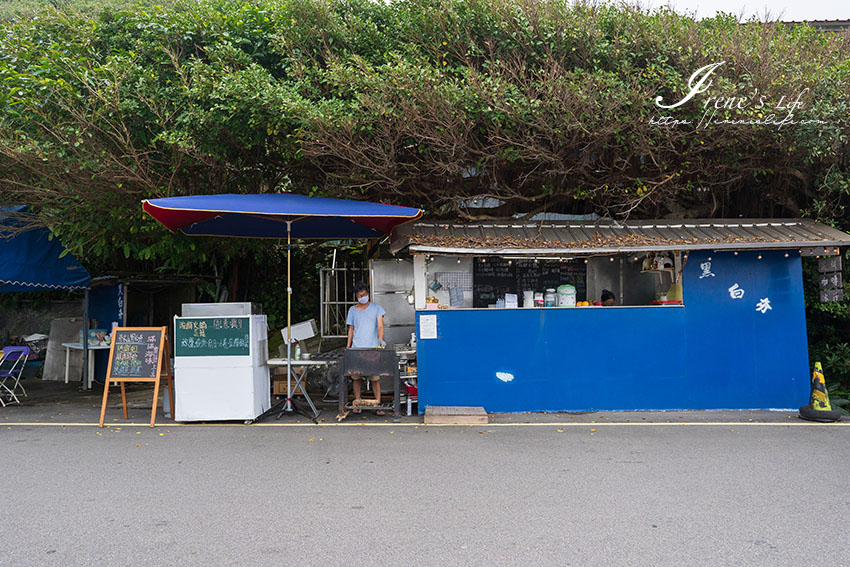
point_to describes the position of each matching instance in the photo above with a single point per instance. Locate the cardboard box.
(279, 381)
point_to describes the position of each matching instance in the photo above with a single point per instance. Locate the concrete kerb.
(60, 405)
(557, 424)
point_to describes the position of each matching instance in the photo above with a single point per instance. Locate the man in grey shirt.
(365, 322)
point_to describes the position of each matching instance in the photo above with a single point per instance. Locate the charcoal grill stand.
(365, 362)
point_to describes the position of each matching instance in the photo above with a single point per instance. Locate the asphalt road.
(406, 495)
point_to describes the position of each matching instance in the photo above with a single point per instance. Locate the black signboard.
(493, 277)
(138, 354)
(135, 353)
(831, 280)
(831, 295)
(829, 264)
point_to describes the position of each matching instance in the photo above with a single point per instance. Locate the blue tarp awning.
(30, 260)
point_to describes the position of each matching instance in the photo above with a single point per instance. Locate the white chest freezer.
(220, 368)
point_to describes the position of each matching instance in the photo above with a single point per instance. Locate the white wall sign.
(427, 326)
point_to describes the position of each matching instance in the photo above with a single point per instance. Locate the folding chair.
(12, 364)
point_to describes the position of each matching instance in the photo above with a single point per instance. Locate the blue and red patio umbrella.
(278, 215)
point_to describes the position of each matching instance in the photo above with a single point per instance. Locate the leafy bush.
(544, 105)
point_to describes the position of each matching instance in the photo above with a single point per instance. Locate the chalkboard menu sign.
(494, 277)
(135, 353)
(138, 354)
(212, 336)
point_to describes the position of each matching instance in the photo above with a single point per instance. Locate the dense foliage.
(547, 106)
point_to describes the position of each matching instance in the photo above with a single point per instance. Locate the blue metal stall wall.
(723, 350)
(106, 304)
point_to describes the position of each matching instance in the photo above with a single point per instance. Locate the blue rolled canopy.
(31, 260)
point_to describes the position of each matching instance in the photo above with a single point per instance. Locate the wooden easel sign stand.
(138, 354)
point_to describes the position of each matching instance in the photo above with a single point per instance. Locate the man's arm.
(350, 336)
(380, 327)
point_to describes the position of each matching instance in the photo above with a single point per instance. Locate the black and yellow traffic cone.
(819, 408)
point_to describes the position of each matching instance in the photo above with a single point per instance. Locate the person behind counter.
(608, 297)
(365, 322)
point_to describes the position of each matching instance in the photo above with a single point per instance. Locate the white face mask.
(364, 300)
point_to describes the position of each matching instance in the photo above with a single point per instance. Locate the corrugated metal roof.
(606, 237)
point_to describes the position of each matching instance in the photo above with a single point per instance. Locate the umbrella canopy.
(279, 215)
(31, 260)
(267, 215)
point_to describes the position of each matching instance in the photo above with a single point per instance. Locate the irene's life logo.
(766, 112)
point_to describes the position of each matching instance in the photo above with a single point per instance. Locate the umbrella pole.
(289, 371)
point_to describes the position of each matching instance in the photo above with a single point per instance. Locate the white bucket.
(566, 296)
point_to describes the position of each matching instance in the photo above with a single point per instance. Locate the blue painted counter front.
(721, 350)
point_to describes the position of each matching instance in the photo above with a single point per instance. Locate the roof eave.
(417, 248)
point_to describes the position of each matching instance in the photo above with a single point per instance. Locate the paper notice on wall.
(456, 297)
(427, 326)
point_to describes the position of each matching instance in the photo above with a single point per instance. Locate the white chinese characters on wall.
(735, 290)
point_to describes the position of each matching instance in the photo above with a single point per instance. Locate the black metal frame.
(366, 362)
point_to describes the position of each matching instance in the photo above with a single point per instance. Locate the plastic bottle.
(550, 298)
(297, 350)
